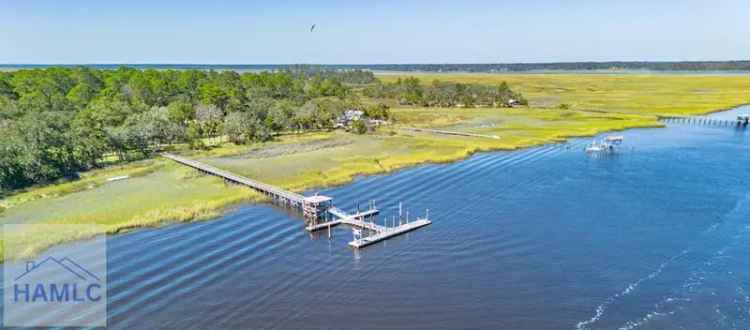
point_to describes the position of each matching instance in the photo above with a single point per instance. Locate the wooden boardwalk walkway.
(437, 131)
(273, 191)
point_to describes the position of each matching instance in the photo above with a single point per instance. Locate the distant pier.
(443, 132)
(316, 208)
(741, 121)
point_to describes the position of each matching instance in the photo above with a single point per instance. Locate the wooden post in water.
(400, 213)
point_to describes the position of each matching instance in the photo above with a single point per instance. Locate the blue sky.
(356, 32)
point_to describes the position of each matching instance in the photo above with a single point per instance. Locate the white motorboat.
(600, 146)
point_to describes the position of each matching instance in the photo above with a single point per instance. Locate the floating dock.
(388, 233)
(376, 232)
(315, 208)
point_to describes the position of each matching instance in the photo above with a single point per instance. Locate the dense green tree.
(8, 109)
(48, 146)
(359, 126)
(194, 136)
(58, 121)
(116, 84)
(378, 111)
(210, 118)
(245, 127)
(181, 112)
(280, 116)
(14, 159)
(446, 94)
(6, 89)
(90, 139)
(211, 93)
(109, 112)
(322, 87)
(152, 87)
(320, 113)
(80, 95)
(188, 83)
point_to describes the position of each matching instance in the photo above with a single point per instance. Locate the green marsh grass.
(160, 192)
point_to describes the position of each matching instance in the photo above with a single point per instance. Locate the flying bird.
(312, 28)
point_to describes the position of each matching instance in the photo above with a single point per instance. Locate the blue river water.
(656, 236)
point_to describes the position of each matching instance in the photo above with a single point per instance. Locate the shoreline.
(215, 209)
(306, 162)
(710, 112)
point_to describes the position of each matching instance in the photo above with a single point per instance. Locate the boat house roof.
(317, 199)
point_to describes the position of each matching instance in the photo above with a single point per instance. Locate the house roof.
(317, 199)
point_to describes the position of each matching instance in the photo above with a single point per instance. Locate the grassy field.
(160, 192)
(657, 94)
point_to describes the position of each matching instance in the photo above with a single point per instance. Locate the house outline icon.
(65, 263)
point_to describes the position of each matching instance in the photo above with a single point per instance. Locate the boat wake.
(715, 266)
(599, 313)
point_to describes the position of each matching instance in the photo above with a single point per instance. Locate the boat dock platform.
(315, 208)
(387, 233)
(376, 232)
(343, 217)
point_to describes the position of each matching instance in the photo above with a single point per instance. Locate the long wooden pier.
(443, 132)
(234, 178)
(314, 207)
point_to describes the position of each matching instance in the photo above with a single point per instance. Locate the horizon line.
(376, 64)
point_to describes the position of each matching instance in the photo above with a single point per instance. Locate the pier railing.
(265, 188)
(705, 121)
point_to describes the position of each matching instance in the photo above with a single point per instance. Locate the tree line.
(410, 91)
(58, 121)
